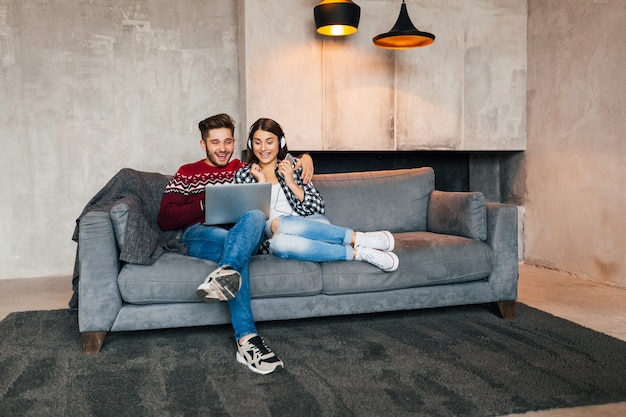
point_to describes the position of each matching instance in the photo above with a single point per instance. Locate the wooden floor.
(596, 306)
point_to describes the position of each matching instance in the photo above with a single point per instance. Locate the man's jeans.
(234, 248)
(311, 238)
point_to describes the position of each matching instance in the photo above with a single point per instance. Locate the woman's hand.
(257, 173)
(284, 169)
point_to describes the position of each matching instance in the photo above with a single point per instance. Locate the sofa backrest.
(394, 200)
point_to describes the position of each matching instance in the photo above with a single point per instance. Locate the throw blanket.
(144, 241)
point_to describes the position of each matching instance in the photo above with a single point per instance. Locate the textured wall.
(467, 91)
(576, 151)
(89, 87)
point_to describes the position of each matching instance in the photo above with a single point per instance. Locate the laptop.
(226, 203)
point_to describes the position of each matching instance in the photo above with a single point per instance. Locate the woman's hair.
(267, 125)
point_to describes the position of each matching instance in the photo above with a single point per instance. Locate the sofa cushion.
(425, 259)
(463, 214)
(174, 278)
(275, 277)
(394, 200)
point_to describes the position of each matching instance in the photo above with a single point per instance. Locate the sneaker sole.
(220, 289)
(242, 361)
(206, 296)
(396, 262)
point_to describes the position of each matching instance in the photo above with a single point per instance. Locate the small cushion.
(458, 213)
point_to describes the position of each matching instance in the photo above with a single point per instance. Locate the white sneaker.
(221, 285)
(382, 240)
(387, 261)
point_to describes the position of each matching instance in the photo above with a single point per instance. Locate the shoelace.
(260, 346)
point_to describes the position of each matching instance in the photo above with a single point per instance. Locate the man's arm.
(178, 211)
(306, 162)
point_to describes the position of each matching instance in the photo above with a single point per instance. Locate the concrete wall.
(575, 197)
(465, 92)
(89, 87)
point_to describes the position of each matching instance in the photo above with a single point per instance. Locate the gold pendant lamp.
(403, 35)
(337, 17)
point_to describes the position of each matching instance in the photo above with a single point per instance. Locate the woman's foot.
(387, 261)
(382, 240)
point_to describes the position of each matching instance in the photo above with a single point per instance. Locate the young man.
(182, 207)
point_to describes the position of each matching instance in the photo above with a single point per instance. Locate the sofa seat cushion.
(174, 278)
(271, 276)
(426, 258)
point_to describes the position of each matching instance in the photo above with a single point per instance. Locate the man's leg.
(233, 248)
(205, 242)
(242, 242)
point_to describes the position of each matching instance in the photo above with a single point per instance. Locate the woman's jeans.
(311, 238)
(234, 248)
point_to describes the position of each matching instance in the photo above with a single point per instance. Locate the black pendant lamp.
(403, 35)
(337, 17)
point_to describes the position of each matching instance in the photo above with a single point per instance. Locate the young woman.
(297, 227)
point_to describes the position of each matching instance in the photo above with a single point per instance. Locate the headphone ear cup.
(282, 142)
(250, 143)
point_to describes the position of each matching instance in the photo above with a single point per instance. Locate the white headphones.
(282, 142)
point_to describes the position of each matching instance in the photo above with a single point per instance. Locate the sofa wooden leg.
(92, 342)
(506, 309)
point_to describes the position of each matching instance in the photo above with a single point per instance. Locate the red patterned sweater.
(180, 205)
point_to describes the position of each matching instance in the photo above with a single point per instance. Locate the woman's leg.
(303, 249)
(316, 227)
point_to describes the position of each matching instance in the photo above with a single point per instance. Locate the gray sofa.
(454, 249)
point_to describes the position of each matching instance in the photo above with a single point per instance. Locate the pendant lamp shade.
(337, 17)
(403, 35)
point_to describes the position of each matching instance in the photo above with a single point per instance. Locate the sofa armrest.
(502, 237)
(99, 299)
(458, 213)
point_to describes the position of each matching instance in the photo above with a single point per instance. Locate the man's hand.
(306, 162)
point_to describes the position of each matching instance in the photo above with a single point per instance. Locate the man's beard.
(215, 161)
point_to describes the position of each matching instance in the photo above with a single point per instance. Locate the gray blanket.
(144, 241)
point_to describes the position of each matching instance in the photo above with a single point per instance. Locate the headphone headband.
(282, 142)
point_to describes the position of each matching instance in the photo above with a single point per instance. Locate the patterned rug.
(460, 361)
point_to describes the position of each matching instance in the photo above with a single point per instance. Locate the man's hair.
(218, 121)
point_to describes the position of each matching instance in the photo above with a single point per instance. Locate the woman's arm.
(243, 175)
(305, 202)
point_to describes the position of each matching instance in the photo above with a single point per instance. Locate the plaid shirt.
(313, 202)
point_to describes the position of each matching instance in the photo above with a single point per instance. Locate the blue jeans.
(234, 248)
(311, 238)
